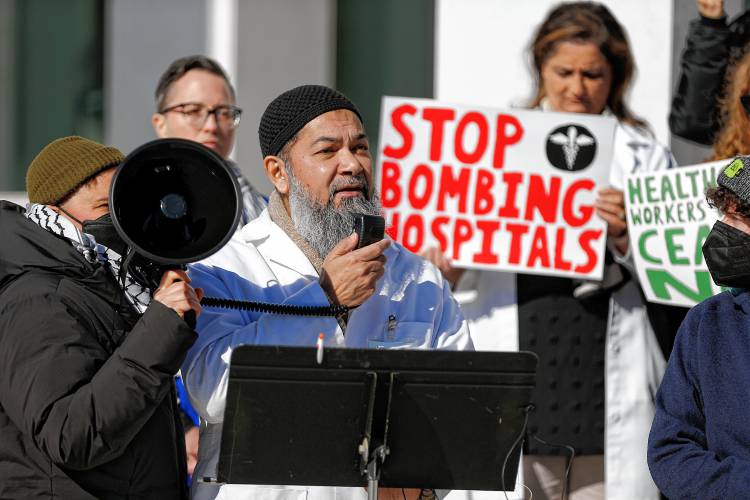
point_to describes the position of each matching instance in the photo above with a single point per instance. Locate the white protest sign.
(496, 189)
(668, 221)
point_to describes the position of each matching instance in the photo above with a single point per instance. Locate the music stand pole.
(380, 452)
(373, 471)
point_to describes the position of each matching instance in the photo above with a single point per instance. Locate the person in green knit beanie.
(87, 406)
(64, 165)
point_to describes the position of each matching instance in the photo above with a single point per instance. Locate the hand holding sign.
(444, 264)
(610, 206)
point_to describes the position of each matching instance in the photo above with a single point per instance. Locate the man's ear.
(276, 173)
(159, 123)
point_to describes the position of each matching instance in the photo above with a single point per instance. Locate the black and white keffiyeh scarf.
(92, 251)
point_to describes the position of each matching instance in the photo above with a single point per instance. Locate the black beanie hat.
(293, 109)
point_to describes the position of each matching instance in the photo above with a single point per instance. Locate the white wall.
(17, 197)
(280, 44)
(481, 51)
(141, 39)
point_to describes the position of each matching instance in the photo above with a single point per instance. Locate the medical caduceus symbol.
(571, 144)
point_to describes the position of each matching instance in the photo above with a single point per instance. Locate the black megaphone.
(174, 202)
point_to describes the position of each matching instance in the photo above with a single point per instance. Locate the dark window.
(55, 80)
(384, 47)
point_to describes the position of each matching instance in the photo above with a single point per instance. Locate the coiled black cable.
(264, 307)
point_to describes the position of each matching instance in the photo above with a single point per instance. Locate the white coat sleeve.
(648, 155)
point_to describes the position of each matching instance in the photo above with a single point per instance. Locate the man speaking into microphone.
(301, 251)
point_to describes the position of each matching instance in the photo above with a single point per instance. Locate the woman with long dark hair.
(606, 363)
(599, 359)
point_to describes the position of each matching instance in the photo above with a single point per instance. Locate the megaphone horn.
(174, 201)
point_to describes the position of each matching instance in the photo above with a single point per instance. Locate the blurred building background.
(89, 67)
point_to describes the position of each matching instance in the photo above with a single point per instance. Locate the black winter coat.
(712, 46)
(87, 406)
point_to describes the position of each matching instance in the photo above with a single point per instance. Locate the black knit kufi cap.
(293, 109)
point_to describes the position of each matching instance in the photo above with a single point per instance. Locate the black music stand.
(363, 417)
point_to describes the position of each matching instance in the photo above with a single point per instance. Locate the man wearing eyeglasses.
(196, 101)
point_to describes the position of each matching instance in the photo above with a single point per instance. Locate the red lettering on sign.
(503, 139)
(488, 229)
(437, 232)
(437, 117)
(539, 248)
(453, 186)
(461, 154)
(413, 233)
(585, 211)
(421, 171)
(407, 136)
(392, 229)
(462, 232)
(512, 180)
(560, 262)
(585, 240)
(541, 200)
(516, 232)
(390, 191)
(483, 199)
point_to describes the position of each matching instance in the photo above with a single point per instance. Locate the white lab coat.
(634, 363)
(412, 308)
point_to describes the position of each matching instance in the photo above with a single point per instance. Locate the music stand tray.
(415, 418)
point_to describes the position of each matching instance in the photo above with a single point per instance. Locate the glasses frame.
(209, 111)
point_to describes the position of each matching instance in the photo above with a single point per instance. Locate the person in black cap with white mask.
(698, 446)
(301, 250)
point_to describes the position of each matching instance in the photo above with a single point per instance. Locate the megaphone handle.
(189, 318)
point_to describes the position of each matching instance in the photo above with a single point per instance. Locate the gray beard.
(323, 225)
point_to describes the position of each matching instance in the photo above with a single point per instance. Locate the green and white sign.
(668, 220)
